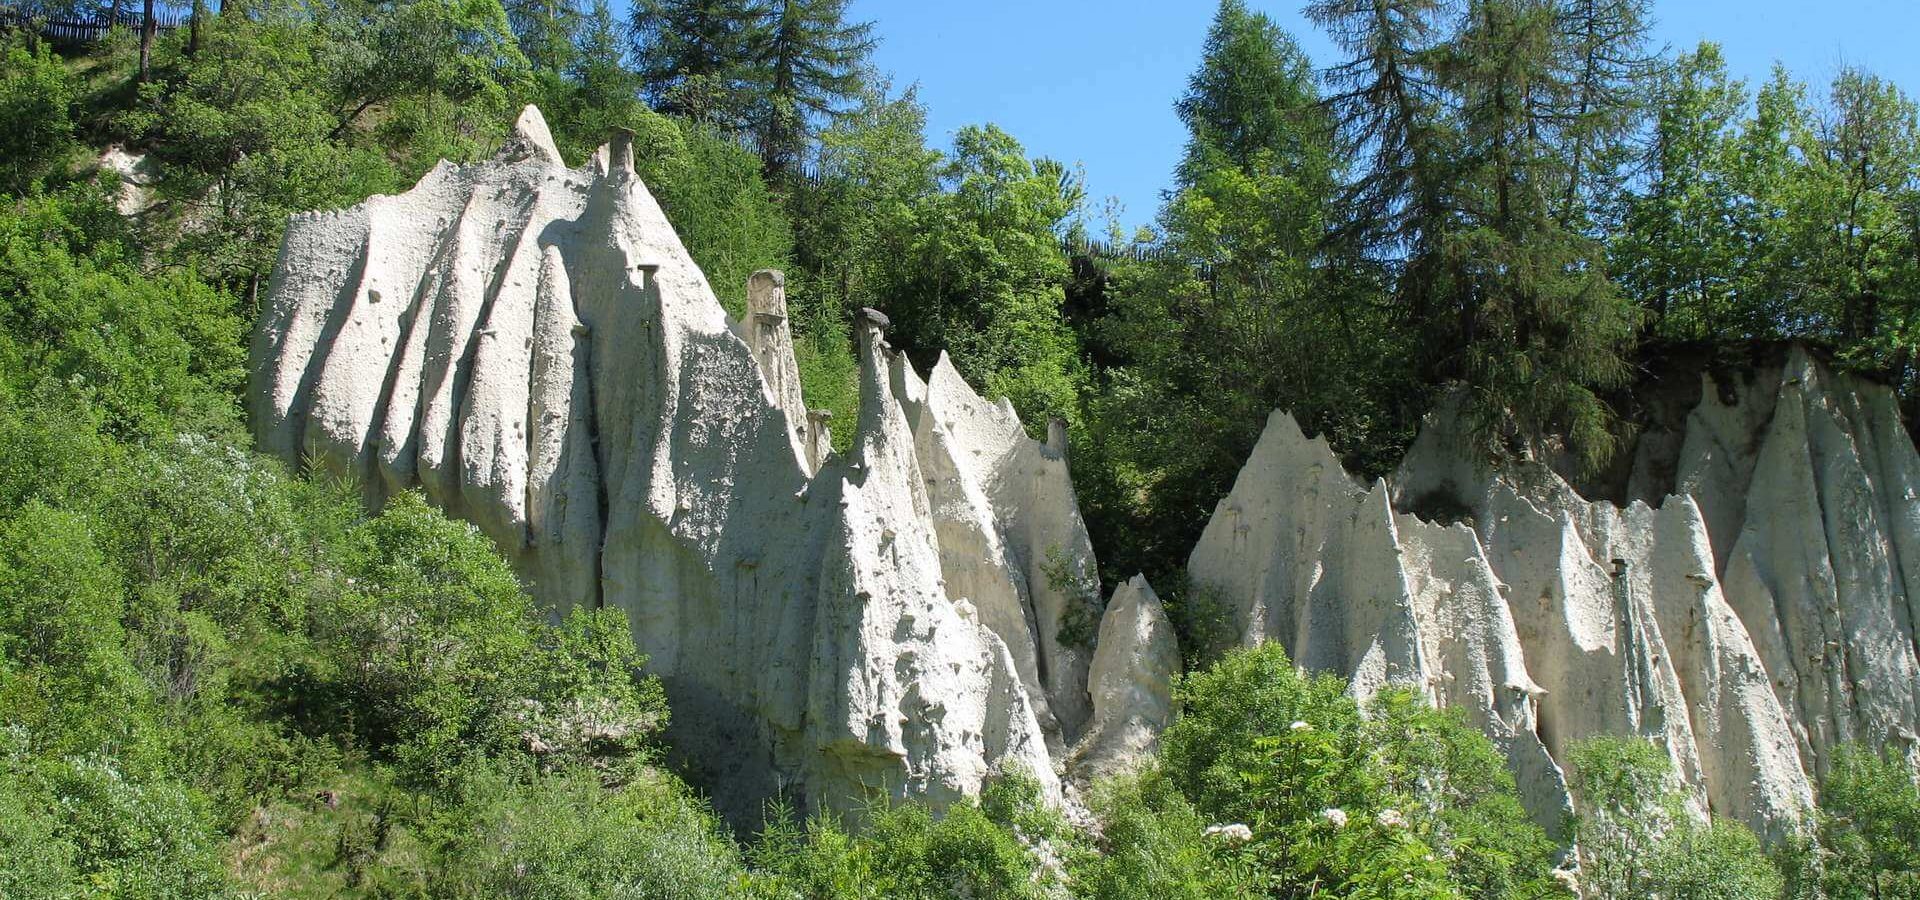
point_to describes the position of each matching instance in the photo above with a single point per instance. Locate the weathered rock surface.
(136, 172)
(533, 348)
(1751, 609)
(1134, 664)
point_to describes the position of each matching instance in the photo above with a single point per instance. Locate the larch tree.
(547, 31)
(1541, 329)
(812, 63)
(1608, 70)
(1390, 110)
(696, 57)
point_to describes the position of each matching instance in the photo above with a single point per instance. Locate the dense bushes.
(138, 352)
(36, 92)
(1368, 804)
(191, 641)
(219, 678)
(206, 640)
(1637, 838)
(1865, 838)
(1008, 846)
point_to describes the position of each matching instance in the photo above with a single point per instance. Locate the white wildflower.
(1391, 818)
(1337, 816)
(1235, 833)
(1299, 726)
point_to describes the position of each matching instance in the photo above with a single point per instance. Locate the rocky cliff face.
(532, 347)
(1752, 609)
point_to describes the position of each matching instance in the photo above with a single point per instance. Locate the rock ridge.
(532, 348)
(1750, 622)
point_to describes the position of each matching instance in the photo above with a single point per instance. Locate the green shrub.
(1637, 839)
(1865, 837)
(430, 654)
(1406, 798)
(36, 861)
(1204, 621)
(1007, 846)
(71, 684)
(36, 123)
(566, 836)
(1076, 584)
(147, 354)
(1154, 846)
(131, 836)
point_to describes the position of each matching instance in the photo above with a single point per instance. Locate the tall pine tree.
(1604, 49)
(1541, 330)
(1390, 109)
(1472, 141)
(811, 63)
(771, 69)
(696, 58)
(1211, 332)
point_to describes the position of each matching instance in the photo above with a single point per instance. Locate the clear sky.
(1094, 81)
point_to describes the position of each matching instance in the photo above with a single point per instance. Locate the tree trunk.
(193, 27)
(148, 27)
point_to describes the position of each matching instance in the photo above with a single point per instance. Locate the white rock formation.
(136, 172)
(1011, 538)
(1307, 556)
(533, 348)
(1134, 664)
(1750, 623)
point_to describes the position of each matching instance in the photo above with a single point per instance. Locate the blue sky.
(1094, 81)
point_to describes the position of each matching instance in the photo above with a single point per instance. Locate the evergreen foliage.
(773, 69)
(217, 678)
(1203, 343)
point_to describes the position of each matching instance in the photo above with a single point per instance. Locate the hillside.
(460, 450)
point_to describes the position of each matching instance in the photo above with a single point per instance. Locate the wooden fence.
(69, 28)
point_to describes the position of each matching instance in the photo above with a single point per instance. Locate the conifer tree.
(1388, 104)
(769, 68)
(546, 31)
(1673, 250)
(696, 57)
(1541, 329)
(1210, 333)
(1869, 165)
(811, 62)
(1253, 93)
(1604, 50)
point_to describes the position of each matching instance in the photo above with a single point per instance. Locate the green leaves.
(1637, 838)
(1007, 846)
(1251, 95)
(1405, 801)
(1865, 838)
(776, 69)
(142, 351)
(962, 252)
(36, 96)
(1202, 342)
